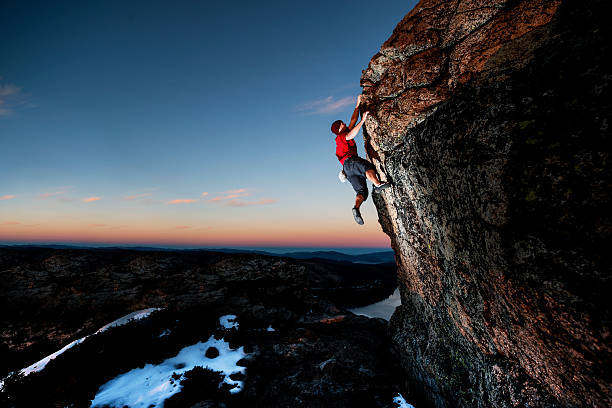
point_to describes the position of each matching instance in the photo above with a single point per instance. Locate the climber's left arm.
(355, 114)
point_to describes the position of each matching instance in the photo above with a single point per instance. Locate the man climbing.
(354, 167)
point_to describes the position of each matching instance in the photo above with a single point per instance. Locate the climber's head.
(337, 127)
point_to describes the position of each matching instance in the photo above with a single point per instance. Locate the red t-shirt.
(345, 148)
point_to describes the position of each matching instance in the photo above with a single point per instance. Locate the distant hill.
(378, 257)
(371, 258)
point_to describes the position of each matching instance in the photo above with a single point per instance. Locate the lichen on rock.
(491, 119)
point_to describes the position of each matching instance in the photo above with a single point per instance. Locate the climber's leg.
(371, 175)
(358, 200)
(361, 188)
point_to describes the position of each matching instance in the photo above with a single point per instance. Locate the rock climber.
(354, 168)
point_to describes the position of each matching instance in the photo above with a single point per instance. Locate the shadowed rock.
(492, 120)
(302, 300)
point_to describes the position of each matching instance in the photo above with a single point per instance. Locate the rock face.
(492, 119)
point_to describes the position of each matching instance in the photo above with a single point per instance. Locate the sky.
(185, 123)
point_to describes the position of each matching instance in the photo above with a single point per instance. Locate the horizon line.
(178, 246)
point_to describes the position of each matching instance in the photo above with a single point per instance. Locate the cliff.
(492, 120)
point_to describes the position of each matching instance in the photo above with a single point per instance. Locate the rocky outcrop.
(51, 297)
(303, 348)
(492, 119)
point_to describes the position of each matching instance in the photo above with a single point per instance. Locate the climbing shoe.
(378, 189)
(357, 216)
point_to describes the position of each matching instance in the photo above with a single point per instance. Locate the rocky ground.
(318, 353)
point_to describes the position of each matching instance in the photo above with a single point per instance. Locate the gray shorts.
(355, 169)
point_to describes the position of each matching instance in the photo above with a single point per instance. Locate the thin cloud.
(182, 201)
(11, 223)
(7, 90)
(183, 226)
(47, 195)
(7, 197)
(97, 225)
(204, 194)
(228, 197)
(237, 191)
(231, 194)
(136, 196)
(90, 199)
(325, 106)
(11, 98)
(240, 203)
(59, 193)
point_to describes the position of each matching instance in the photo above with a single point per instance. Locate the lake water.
(383, 309)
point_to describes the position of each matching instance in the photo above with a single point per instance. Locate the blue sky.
(112, 111)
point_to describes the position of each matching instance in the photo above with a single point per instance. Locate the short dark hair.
(335, 127)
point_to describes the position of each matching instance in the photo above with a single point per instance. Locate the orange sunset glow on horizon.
(225, 217)
(190, 235)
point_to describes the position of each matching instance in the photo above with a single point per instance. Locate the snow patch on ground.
(153, 384)
(41, 364)
(137, 315)
(228, 321)
(401, 402)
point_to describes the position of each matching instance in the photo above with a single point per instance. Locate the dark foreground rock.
(317, 354)
(492, 118)
(339, 362)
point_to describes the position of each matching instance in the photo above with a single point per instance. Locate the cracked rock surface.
(492, 119)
